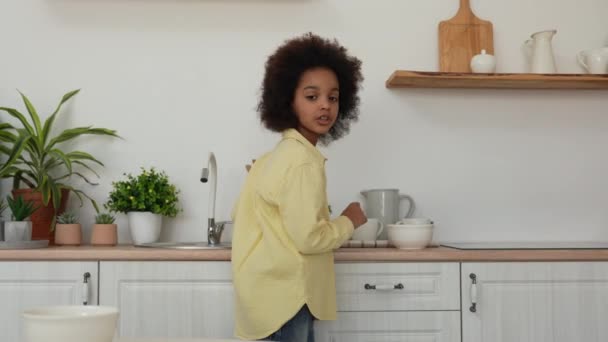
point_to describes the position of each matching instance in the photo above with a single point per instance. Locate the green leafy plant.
(43, 165)
(104, 218)
(20, 208)
(148, 191)
(12, 152)
(67, 217)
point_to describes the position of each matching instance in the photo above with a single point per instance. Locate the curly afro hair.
(283, 71)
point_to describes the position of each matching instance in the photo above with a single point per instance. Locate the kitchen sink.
(186, 245)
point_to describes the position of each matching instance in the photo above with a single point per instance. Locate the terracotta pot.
(43, 217)
(68, 234)
(104, 235)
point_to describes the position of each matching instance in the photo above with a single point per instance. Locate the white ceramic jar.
(483, 63)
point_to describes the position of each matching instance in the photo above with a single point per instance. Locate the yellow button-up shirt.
(283, 240)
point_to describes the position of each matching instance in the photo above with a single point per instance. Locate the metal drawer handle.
(85, 288)
(473, 294)
(382, 287)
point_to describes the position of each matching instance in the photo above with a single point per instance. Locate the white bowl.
(70, 324)
(410, 236)
(415, 220)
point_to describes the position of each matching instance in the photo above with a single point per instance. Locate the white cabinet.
(379, 301)
(535, 302)
(170, 299)
(28, 284)
(390, 302)
(391, 326)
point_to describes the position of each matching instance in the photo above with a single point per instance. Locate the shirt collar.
(292, 133)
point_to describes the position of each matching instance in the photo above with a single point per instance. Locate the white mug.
(595, 61)
(369, 231)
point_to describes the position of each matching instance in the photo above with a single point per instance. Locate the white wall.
(178, 78)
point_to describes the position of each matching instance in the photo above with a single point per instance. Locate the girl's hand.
(355, 214)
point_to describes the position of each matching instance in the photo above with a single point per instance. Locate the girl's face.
(316, 102)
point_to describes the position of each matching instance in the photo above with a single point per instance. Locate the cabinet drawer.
(421, 326)
(397, 286)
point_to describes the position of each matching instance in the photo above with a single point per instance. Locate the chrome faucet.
(209, 174)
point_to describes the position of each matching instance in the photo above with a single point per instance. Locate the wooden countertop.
(129, 252)
(158, 339)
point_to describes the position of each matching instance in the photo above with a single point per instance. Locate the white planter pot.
(18, 231)
(144, 226)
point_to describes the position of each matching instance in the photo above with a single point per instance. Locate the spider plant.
(43, 165)
(12, 152)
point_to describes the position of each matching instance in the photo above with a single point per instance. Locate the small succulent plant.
(67, 217)
(20, 208)
(104, 218)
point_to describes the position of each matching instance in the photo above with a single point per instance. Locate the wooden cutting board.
(463, 37)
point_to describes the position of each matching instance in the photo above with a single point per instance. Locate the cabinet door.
(395, 326)
(535, 302)
(169, 299)
(24, 285)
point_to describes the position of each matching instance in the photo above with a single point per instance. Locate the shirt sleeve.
(303, 210)
(235, 209)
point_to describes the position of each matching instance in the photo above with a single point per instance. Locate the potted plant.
(104, 230)
(19, 229)
(44, 167)
(145, 198)
(13, 152)
(68, 231)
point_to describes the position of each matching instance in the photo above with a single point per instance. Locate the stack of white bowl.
(410, 233)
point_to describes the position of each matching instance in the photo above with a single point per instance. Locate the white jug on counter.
(540, 52)
(384, 204)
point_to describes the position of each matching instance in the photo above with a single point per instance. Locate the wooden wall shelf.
(424, 79)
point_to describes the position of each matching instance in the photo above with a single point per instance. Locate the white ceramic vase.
(144, 226)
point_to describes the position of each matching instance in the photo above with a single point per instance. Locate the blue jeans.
(297, 329)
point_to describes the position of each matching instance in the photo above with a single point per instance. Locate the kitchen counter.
(131, 253)
(150, 339)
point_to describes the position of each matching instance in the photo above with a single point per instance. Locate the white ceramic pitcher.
(595, 61)
(540, 52)
(383, 204)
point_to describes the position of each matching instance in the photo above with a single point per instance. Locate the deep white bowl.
(70, 324)
(415, 220)
(410, 236)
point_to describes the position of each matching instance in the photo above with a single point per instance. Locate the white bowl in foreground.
(70, 324)
(410, 236)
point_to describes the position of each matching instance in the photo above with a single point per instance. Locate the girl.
(283, 240)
